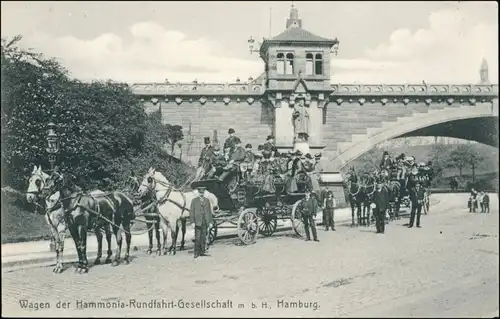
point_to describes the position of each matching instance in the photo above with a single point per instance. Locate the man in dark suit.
(205, 161)
(417, 200)
(381, 203)
(270, 147)
(386, 163)
(236, 158)
(229, 143)
(201, 220)
(309, 208)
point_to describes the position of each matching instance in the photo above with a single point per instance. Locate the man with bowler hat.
(417, 200)
(229, 143)
(309, 208)
(201, 220)
(381, 203)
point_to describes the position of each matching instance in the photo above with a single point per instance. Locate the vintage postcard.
(249, 159)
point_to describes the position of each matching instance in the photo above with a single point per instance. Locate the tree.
(173, 134)
(458, 158)
(103, 129)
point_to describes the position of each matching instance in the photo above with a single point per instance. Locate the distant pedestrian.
(329, 205)
(417, 200)
(381, 204)
(309, 207)
(201, 220)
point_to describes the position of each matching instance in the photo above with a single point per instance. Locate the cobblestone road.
(449, 268)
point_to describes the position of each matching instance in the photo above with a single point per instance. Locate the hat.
(231, 131)
(237, 140)
(386, 153)
(317, 155)
(201, 188)
(418, 183)
(401, 156)
(309, 156)
(266, 154)
(216, 148)
(290, 152)
(248, 146)
(207, 140)
(260, 147)
(270, 137)
(298, 153)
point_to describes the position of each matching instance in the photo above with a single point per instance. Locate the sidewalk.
(38, 251)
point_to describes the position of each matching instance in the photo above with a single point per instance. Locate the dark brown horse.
(98, 211)
(355, 196)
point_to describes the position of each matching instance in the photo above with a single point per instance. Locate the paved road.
(448, 268)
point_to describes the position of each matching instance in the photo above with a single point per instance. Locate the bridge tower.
(297, 71)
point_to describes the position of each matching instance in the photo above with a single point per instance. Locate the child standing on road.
(328, 210)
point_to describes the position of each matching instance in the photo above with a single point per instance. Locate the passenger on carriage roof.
(230, 141)
(270, 147)
(386, 163)
(237, 157)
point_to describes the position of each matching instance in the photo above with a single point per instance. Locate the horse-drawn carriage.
(251, 209)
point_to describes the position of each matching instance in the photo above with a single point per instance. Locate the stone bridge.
(352, 118)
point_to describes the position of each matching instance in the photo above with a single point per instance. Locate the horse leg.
(82, 235)
(109, 237)
(173, 247)
(60, 237)
(98, 235)
(183, 228)
(118, 236)
(73, 230)
(164, 227)
(352, 214)
(128, 240)
(358, 212)
(157, 234)
(150, 236)
(368, 214)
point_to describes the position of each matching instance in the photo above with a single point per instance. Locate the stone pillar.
(316, 119)
(283, 125)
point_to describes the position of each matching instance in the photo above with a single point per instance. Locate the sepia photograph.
(250, 159)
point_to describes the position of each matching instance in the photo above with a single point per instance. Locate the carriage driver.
(201, 220)
(386, 163)
(205, 161)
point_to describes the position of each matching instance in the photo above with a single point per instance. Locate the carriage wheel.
(268, 221)
(248, 228)
(297, 223)
(212, 233)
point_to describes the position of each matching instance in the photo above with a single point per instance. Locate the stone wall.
(252, 122)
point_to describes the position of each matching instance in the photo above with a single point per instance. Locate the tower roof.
(294, 33)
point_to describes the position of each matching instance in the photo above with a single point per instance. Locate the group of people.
(261, 167)
(414, 179)
(478, 199)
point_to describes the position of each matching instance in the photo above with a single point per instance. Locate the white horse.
(173, 206)
(54, 212)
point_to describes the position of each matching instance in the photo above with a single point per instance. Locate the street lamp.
(52, 149)
(52, 144)
(251, 44)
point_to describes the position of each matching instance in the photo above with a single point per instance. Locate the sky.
(142, 42)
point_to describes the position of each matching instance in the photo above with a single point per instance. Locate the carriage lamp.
(52, 143)
(335, 48)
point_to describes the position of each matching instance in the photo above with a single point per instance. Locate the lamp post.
(52, 144)
(251, 44)
(52, 149)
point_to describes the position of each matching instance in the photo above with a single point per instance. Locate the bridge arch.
(451, 121)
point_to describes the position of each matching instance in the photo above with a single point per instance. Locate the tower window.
(318, 64)
(280, 63)
(309, 64)
(289, 63)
